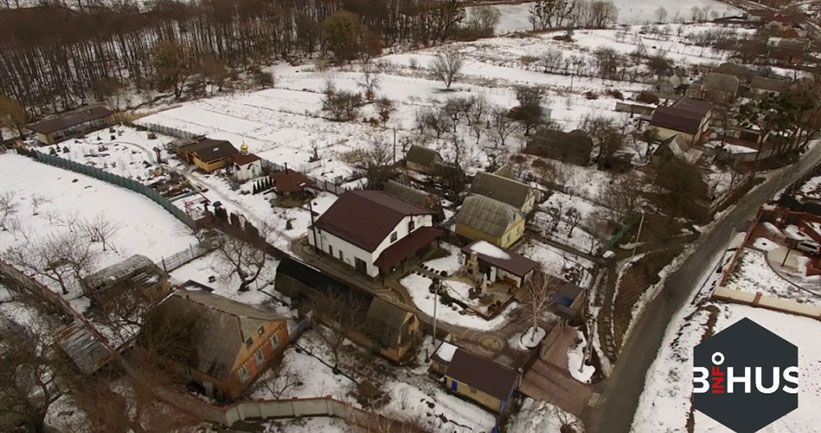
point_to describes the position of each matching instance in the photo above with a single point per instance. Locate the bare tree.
(447, 66)
(38, 200)
(8, 208)
(538, 298)
(503, 126)
(343, 313)
(27, 386)
(369, 83)
(573, 218)
(63, 258)
(100, 229)
(281, 380)
(243, 259)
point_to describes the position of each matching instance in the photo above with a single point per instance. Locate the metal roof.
(487, 215)
(70, 119)
(501, 188)
(482, 374)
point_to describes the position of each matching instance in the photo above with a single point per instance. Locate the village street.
(614, 414)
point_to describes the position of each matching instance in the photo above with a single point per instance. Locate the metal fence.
(180, 258)
(119, 181)
(167, 130)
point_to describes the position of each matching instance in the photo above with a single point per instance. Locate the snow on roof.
(490, 250)
(445, 351)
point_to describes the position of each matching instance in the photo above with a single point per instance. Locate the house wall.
(208, 167)
(481, 397)
(419, 168)
(501, 274)
(262, 343)
(351, 251)
(512, 235)
(664, 133)
(249, 171)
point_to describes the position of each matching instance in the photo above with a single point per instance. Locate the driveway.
(614, 414)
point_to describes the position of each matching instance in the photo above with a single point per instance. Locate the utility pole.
(313, 224)
(435, 284)
(638, 234)
(394, 147)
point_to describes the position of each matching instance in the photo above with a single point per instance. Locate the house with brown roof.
(227, 344)
(573, 147)
(292, 183)
(373, 232)
(716, 87)
(768, 85)
(481, 380)
(497, 264)
(73, 123)
(504, 189)
(686, 117)
(207, 154)
(423, 160)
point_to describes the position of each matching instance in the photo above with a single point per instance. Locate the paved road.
(615, 412)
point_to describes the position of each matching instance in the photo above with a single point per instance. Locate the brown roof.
(515, 263)
(71, 119)
(685, 115)
(422, 156)
(366, 218)
(291, 181)
(721, 82)
(407, 247)
(225, 324)
(482, 374)
(768, 84)
(209, 150)
(241, 159)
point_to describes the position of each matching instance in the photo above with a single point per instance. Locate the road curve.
(618, 403)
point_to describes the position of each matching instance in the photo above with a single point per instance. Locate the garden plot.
(143, 227)
(411, 395)
(560, 263)
(418, 287)
(130, 153)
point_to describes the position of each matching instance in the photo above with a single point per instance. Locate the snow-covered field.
(516, 18)
(143, 227)
(753, 275)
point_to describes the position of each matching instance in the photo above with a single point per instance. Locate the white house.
(246, 165)
(373, 232)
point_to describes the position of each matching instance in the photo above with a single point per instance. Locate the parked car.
(809, 247)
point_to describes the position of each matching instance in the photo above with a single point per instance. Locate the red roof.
(685, 115)
(291, 181)
(366, 218)
(482, 374)
(407, 247)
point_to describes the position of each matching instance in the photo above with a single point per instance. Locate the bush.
(591, 95)
(613, 93)
(647, 97)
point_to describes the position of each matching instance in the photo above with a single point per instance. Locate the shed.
(484, 218)
(481, 379)
(422, 159)
(85, 348)
(573, 147)
(79, 121)
(504, 189)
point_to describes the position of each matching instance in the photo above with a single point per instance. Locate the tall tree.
(447, 66)
(12, 115)
(172, 66)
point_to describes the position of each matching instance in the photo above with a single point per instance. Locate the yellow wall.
(474, 394)
(209, 168)
(514, 232)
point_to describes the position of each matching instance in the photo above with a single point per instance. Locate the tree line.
(53, 57)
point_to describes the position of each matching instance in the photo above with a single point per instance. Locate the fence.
(114, 179)
(757, 299)
(167, 130)
(180, 258)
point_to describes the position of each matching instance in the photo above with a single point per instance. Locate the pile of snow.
(532, 337)
(446, 351)
(575, 362)
(765, 244)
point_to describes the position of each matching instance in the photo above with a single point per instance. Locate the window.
(394, 236)
(259, 357)
(261, 331)
(411, 225)
(330, 250)
(341, 256)
(249, 342)
(275, 341)
(243, 374)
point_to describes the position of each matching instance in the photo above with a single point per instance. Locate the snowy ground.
(560, 263)
(129, 154)
(753, 275)
(418, 287)
(143, 227)
(665, 402)
(516, 18)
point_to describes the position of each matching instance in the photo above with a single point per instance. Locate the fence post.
(164, 268)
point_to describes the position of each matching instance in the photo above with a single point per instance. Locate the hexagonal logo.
(745, 377)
